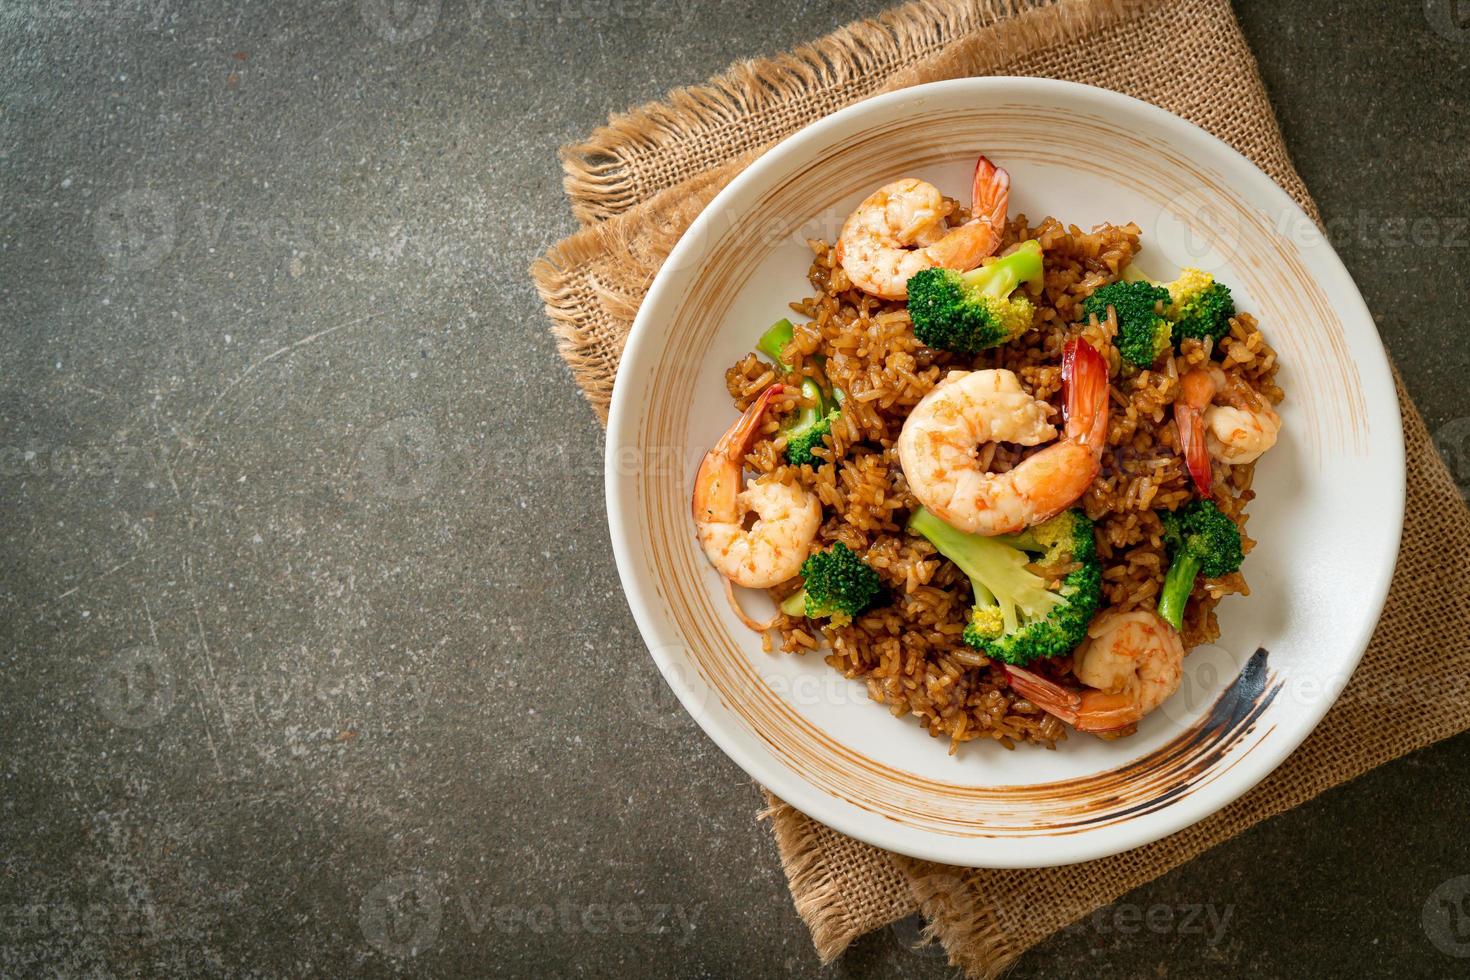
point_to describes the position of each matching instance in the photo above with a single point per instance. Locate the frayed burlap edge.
(615, 168)
(593, 281)
(649, 149)
(813, 885)
(835, 904)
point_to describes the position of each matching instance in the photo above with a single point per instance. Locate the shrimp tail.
(1085, 393)
(717, 483)
(990, 195)
(1192, 443)
(1196, 390)
(1047, 695)
(1086, 711)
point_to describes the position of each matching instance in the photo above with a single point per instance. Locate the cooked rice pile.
(909, 651)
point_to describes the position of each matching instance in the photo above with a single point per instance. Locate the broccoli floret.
(1201, 541)
(837, 584)
(1018, 615)
(1199, 306)
(774, 341)
(967, 312)
(810, 426)
(1143, 332)
(806, 430)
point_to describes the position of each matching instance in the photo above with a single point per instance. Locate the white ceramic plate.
(1327, 518)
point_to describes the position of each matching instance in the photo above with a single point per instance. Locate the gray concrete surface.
(306, 597)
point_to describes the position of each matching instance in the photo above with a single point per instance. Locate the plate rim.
(834, 812)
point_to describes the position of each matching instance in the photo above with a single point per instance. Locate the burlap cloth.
(638, 182)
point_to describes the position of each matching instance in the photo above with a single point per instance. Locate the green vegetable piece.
(1018, 616)
(1144, 333)
(1201, 541)
(837, 583)
(967, 312)
(773, 342)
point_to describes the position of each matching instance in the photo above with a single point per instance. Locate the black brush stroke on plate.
(1191, 756)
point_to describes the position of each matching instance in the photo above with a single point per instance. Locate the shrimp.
(1130, 663)
(787, 517)
(1230, 422)
(938, 445)
(899, 230)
